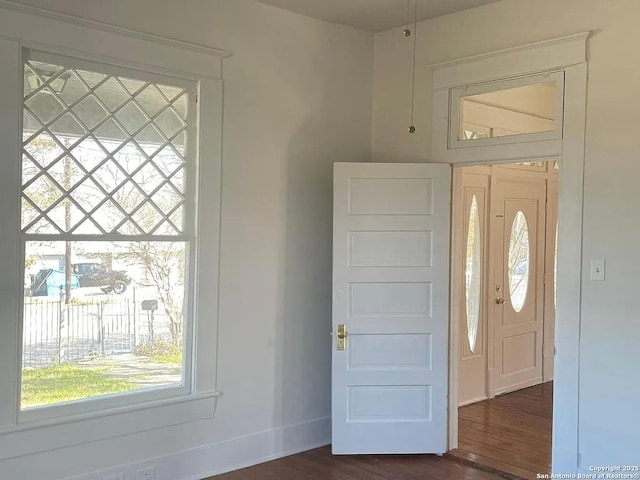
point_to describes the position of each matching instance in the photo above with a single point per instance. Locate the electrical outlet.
(148, 473)
(116, 476)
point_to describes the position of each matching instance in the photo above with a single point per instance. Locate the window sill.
(44, 435)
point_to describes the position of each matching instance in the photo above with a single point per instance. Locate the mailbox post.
(150, 306)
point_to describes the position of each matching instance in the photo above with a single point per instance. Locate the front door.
(517, 298)
(390, 308)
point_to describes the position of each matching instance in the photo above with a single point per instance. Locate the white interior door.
(518, 220)
(391, 294)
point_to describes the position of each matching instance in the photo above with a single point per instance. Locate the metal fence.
(55, 332)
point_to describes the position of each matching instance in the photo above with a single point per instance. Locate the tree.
(165, 264)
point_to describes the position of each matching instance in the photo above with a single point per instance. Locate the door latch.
(341, 337)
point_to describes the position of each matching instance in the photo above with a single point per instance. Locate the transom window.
(108, 231)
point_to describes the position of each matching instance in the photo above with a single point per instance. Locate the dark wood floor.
(508, 437)
(511, 433)
(319, 464)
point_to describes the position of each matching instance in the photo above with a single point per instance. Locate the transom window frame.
(188, 236)
(456, 117)
(32, 29)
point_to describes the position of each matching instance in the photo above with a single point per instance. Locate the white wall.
(610, 332)
(297, 98)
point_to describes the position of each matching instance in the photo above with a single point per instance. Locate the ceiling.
(373, 15)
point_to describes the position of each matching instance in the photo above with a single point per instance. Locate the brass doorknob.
(499, 300)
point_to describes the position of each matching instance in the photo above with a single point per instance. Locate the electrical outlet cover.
(148, 473)
(116, 476)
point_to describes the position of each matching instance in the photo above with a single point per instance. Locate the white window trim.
(510, 117)
(31, 28)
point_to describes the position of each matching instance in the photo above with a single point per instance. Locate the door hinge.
(196, 98)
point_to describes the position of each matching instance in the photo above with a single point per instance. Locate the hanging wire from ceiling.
(412, 128)
(407, 30)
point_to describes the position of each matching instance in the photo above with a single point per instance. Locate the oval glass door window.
(519, 261)
(472, 274)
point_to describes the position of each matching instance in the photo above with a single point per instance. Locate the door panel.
(473, 340)
(390, 290)
(518, 218)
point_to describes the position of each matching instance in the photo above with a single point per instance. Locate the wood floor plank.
(508, 437)
(513, 429)
(320, 464)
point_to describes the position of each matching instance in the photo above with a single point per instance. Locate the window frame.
(25, 29)
(456, 117)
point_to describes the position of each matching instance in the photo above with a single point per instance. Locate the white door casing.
(391, 291)
(550, 259)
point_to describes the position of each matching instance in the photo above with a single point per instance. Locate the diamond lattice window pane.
(88, 154)
(131, 117)
(43, 149)
(131, 85)
(29, 169)
(67, 129)
(91, 78)
(74, 88)
(29, 212)
(112, 94)
(169, 91)
(150, 140)
(66, 172)
(110, 135)
(66, 215)
(88, 227)
(90, 112)
(88, 195)
(129, 196)
(178, 180)
(43, 192)
(169, 122)
(110, 175)
(148, 178)
(29, 125)
(147, 217)
(45, 105)
(110, 216)
(42, 226)
(102, 153)
(179, 142)
(130, 157)
(151, 100)
(180, 106)
(38, 74)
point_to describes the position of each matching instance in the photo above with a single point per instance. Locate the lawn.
(63, 383)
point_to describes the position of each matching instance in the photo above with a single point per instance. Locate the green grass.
(161, 352)
(62, 383)
(167, 358)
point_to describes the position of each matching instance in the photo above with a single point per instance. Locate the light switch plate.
(597, 269)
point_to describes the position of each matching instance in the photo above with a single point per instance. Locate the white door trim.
(571, 58)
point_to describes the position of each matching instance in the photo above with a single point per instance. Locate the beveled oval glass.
(519, 261)
(472, 273)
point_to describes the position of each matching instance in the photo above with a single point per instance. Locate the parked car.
(87, 274)
(92, 274)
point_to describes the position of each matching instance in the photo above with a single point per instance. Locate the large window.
(108, 225)
(110, 215)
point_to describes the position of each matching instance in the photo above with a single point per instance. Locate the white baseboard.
(474, 400)
(209, 460)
